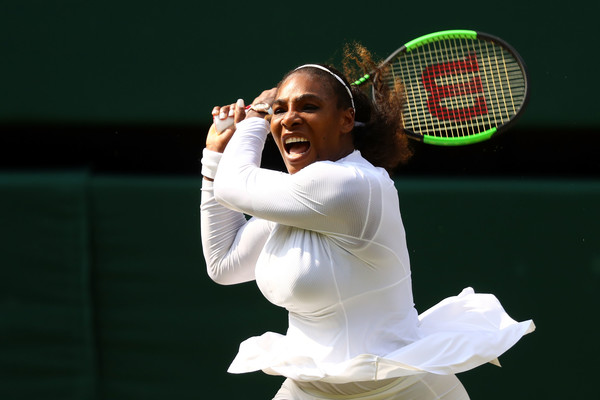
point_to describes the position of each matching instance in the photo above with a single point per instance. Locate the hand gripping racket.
(461, 86)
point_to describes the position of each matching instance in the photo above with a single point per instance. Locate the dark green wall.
(103, 293)
(171, 61)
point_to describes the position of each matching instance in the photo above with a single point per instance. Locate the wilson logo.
(466, 96)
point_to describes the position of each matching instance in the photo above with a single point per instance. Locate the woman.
(326, 242)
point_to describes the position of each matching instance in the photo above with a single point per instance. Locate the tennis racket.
(461, 86)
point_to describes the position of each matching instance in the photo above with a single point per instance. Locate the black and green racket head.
(461, 86)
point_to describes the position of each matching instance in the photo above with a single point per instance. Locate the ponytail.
(378, 131)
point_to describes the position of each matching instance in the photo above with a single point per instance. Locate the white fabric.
(414, 387)
(328, 244)
(210, 163)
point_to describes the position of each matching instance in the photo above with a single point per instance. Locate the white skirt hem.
(458, 334)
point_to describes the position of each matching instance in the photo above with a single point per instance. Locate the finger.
(223, 112)
(231, 112)
(240, 111)
(215, 110)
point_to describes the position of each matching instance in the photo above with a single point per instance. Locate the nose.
(290, 119)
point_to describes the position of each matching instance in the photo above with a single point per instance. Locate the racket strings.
(458, 87)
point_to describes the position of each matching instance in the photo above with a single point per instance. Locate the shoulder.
(353, 165)
(352, 173)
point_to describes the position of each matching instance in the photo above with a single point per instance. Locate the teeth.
(295, 140)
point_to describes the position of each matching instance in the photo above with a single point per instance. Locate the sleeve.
(230, 243)
(325, 196)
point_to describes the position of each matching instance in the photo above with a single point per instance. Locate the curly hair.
(378, 132)
(381, 139)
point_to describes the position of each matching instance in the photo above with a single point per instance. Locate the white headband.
(335, 76)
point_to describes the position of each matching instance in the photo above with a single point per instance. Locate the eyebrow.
(302, 97)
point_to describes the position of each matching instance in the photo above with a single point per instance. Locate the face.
(307, 124)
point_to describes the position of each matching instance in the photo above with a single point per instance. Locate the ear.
(347, 120)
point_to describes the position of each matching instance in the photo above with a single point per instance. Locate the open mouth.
(296, 146)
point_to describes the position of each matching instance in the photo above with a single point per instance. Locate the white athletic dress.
(327, 243)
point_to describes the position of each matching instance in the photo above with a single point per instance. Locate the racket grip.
(222, 124)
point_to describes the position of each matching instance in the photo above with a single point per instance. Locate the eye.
(310, 107)
(278, 110)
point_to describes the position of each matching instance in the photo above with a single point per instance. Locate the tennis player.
(326, 242)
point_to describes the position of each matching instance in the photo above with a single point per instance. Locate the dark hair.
(378, 133)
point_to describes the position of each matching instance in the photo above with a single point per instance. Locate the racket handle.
(222, 124)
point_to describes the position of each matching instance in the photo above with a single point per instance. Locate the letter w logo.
(437, 93)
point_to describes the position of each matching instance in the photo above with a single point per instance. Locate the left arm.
(231, 245)
(324, 196)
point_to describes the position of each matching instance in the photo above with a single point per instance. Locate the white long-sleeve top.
(328, 244)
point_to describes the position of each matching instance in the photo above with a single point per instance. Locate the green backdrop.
(103, 292)
(171, 61)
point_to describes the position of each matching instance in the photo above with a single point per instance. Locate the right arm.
(231, 244)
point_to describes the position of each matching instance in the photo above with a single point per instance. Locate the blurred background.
(104, 107)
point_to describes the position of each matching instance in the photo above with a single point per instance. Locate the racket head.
(461, 86)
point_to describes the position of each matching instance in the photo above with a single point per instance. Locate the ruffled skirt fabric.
(456, 335)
